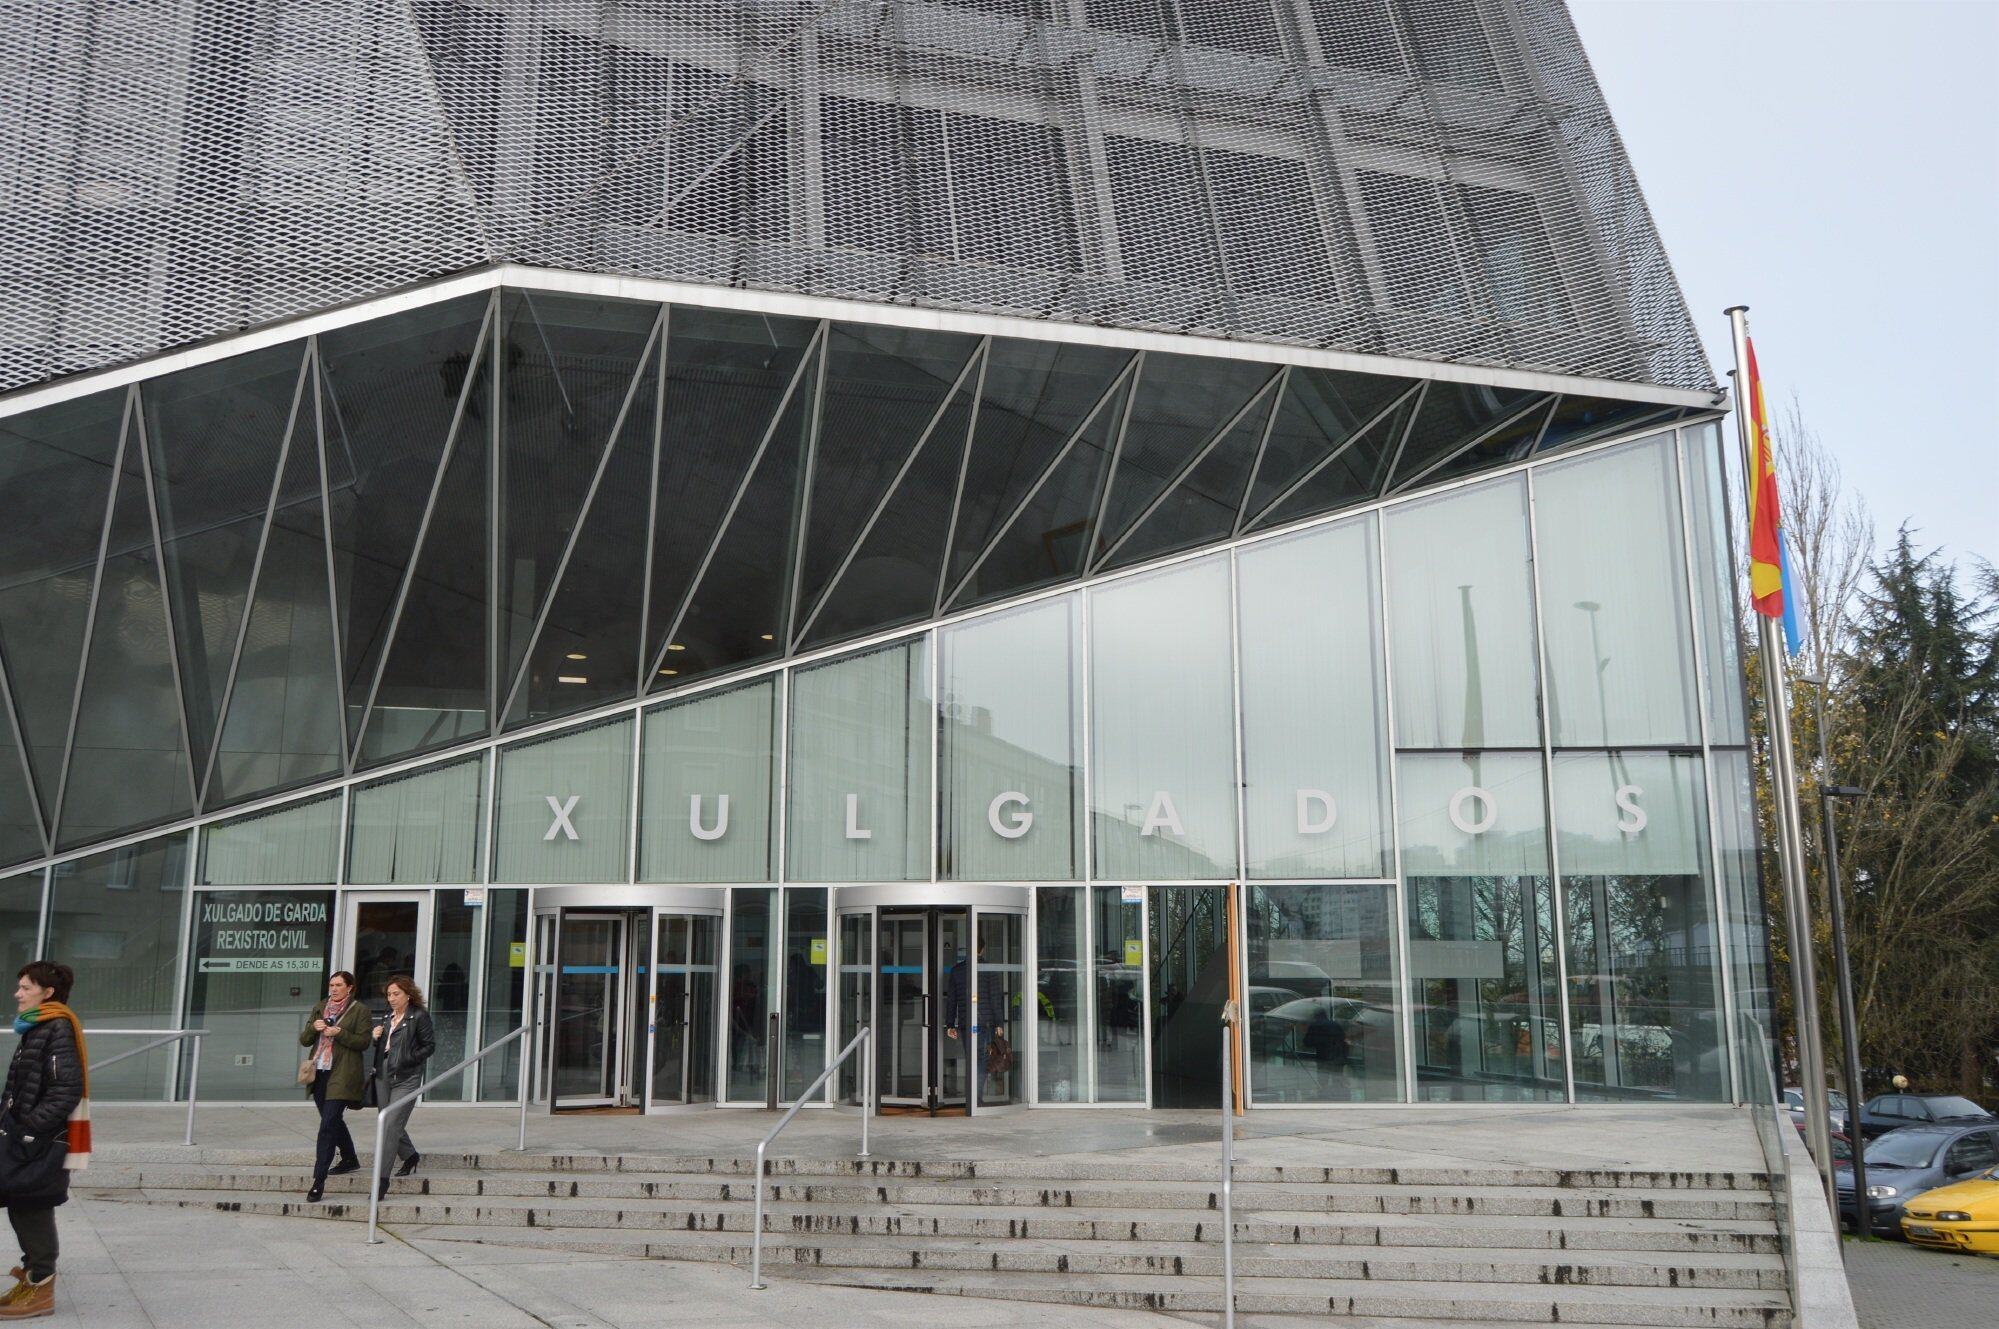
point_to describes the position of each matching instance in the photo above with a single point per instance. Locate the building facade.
(1008, 525)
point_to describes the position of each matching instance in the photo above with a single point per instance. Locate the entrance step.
(1596, 1247)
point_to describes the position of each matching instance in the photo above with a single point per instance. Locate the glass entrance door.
(685, 976)
(386, 934)
(903, 1003)
(588, 1011)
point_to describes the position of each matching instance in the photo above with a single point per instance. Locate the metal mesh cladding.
(1430, 178)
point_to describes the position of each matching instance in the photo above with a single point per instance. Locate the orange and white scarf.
(79, 1117)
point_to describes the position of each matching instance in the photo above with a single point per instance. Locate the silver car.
(1794, 1103)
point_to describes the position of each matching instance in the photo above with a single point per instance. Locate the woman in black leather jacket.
(403, 1044)
(45, 1085)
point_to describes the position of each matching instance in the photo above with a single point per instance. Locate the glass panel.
(586, 1001)
(1164, 722)
(569, 365)
(708, 785)
(257, 962)
(215, 433)
(434, 685)
(1579, 420)
(727, 375)
(454, 956)
(297, 845)
(856, 983)
(20, 823)
(114, 918)
(66, 455)
(1323, 995)
(130, 764)
(565, 806)
(1742, 888)
(1644, 976)
(588, 651)
(1203, 506)
(1189, 952)
(883, 388)
(1513, 441)
(902, 1003)
(1356, 473)
(1452, 414)
(861, 730)
(505, 990)
(384, 943)
(1117, 989)
(1319, 412)
(390, 389)
(1461, 619)
(1481, 927)
(283, 726)
(752, 986)
(1314, 711)
(1034, 396)
(1617, 629)
(1180, 403)
(20, 917)
(1001, 966)
(1714, 581)
(1047, 540)
(1010, 717)
(1060, 972)
(805, 942)
(685, 979)
(950, 983)
(419, 829)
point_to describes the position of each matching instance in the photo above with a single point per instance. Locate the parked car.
(1963, 1216)
(1908, 1161)
(1888, 1112)
(1794, 1103)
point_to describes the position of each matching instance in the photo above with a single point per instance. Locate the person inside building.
(46, 1116)
(403, 1047)
(335, 1036)
(958, 1014)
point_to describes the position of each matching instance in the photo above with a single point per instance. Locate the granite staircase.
(1430, 1245)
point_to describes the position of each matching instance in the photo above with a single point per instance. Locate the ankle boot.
(29, 1301)
(317, 1192)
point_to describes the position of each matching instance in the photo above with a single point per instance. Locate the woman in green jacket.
(336, 1034)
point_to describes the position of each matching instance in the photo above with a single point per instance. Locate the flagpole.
(1790, 839)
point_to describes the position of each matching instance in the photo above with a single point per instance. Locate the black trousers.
(35, 1225)
(333, 1133)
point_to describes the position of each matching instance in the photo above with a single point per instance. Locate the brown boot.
(29, 1301)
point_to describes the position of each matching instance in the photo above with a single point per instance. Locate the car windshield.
(1837, 1099)
(1902, 1149)
(1954, 1107)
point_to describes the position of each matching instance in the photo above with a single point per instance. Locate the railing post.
(375, 1172)
(521, 1146)
(770, 1064)
(863, 1043)
(193, 1088)
(757, 1225)
(867, 1084)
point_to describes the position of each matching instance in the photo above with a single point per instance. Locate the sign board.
(474, 896)
(1131, 895)
(269, 932)
(819, 950)
(1134, 953)
(517, 954)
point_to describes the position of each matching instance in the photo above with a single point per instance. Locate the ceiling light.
(675, 646)
(669, 672)
(769, 637)
(571, 678)
(576, 655)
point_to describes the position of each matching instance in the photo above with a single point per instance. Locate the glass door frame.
(717, 914)
(345, 935)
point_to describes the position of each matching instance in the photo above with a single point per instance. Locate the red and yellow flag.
(1766, 550)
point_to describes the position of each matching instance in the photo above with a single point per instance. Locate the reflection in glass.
(1461, 619)
(1164, 725)
(1644, 966)
(1482, 958)
(564, 806)
(1002, 1031)
(752, 987)
(295, 845)
(805, 964)
(506, 987)
(251, 951)
(453, 959)
(1741, 883)
(1061, 967)
(115, 918)
(419, 829)
(1324, 1010)
(1189, 946)
(1618, 638)
(1314, 715)
(1180, 403)
(1714, 580)
(1010, 718)
(20, 820)
(707, 787)
(20, 917)
(860, 768)
(1117, 993)
(684, 1014)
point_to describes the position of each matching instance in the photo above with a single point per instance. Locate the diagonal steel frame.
(813, 349)
(166, 604)
(1104, 402)
(722, 159)
(652, 500)
(958, 491)
(1546, 403)
(332, 574)
(1365, 428)
(487, 331)
(1262, 446)
(1402, 444)
(583, 513)
(90, 614)
(1101, 501)
(908, 463)
(802, 520)
(554, 366)
(1193, 463)
(250, 593)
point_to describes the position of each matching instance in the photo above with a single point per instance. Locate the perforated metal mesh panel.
(1430, 178)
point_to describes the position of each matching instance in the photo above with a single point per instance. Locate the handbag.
(999, 1054)
(31, 1165)
(306, 1070)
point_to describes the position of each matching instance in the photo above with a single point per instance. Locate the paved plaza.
(1896, 1286)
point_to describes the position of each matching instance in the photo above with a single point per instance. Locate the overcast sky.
(1835, 166)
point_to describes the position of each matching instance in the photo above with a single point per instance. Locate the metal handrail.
(407, 1104)
(1228, 1164)
(161, 1037)
(867, 1111)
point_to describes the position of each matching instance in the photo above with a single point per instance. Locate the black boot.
(409, 1165)
(318, 1191)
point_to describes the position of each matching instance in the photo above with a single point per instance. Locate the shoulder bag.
(306, 1070)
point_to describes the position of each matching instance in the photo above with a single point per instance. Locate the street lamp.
(1843, 966)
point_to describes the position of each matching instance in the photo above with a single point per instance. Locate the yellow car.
(1963, 1216)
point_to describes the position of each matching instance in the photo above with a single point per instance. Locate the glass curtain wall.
(21, 917)
(708, 784)
(419, 829)
(861, 731)
(1323, 995)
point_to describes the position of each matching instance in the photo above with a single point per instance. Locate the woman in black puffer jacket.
(45, 1087)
